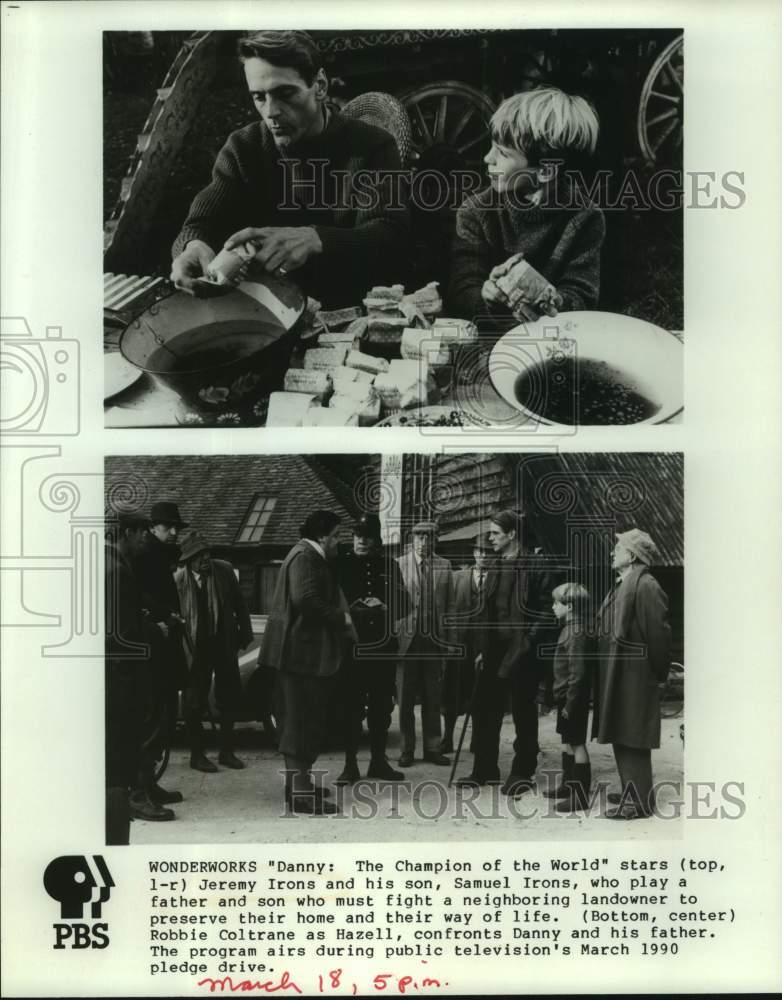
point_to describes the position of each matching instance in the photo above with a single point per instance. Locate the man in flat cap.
(423, 643)
(154, 567)
(377, 598)
(634, 651)
(217, 627)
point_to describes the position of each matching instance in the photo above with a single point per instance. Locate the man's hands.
(191, 265)
(479, 662)
(280, 249)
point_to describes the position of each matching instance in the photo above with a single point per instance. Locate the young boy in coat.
(571, 693)
(532, 209)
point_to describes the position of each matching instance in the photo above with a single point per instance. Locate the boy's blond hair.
(573, 595)
(545, 124)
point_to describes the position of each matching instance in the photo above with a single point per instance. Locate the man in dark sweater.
(530, 208)
(320, 195)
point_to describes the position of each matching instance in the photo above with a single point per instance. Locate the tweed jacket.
(467, 608)
(230, 619)
(442, 599)
(306, 630)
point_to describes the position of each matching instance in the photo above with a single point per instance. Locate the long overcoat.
(634, 656)
(306, 630)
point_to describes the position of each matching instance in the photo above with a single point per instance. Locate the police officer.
(377, 598)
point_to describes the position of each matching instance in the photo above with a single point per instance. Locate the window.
(256, 520)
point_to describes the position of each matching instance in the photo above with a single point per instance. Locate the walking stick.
(467, 716)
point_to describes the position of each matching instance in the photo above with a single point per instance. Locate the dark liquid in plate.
(207, 349)
(582, 391)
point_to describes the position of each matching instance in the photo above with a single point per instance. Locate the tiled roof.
(214, 493)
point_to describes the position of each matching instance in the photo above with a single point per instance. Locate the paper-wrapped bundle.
(345, 376)
(455, 331)
(392, 293)
(386, 331)
(229, 267)
(325, 357)
(321, 416)
(427, 300)
(310, 380)
(523, 285)
(360, 400)
(404, 385)
(426, 344)
(339, 317)
(358, 327)
(342, 338)
(365, 362)
(290, 409)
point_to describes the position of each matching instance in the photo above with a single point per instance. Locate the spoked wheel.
(661, 109)
(450, 125)
(161, 764)
(449, 119)
(672, 700)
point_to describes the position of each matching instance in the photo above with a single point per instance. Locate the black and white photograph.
(443, 227)
(291, 707)
(489, 646)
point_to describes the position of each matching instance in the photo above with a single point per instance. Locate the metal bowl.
(590, 368)
(219, 353)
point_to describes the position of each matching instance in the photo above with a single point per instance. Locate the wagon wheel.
(661, 109)
(450, 123)
(161, 764)
(672, 708)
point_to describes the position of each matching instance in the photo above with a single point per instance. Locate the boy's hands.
(491, 293)
(525, 307)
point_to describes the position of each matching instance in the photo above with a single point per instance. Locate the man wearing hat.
(129, 633)
(154, 567)
(377, 599)
(423, 643)
(469, 587)
(217, 627)
(634, 650)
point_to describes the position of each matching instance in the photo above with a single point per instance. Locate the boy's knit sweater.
(563, 244)
(362, 221)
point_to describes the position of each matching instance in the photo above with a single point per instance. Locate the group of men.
(175, 621)
(359, 630)
(467, 641)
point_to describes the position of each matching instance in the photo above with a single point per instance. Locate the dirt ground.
(235, 807)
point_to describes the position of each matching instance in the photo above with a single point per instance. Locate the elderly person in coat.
(634, 656)
(217, 626)
(308, 628)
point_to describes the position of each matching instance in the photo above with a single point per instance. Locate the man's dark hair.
(508, 520)
(319, 524)
(294, 49)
